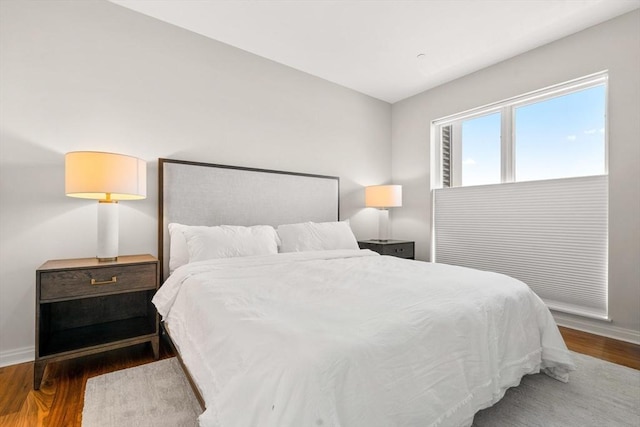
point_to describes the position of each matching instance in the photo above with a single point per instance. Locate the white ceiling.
(372, 46)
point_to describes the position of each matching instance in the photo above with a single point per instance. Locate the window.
(545, 218)
(561, 137)
(480, 150)
(559, 132)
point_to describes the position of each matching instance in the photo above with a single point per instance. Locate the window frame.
(507, 108)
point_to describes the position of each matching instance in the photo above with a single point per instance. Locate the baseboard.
(604, 329)
(15, 356)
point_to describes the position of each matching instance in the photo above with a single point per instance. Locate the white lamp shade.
(105, 176)
(383, 196)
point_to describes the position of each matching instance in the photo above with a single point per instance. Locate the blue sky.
(557, 138)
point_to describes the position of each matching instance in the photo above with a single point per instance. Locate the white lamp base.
(107, 231)
(383, 225)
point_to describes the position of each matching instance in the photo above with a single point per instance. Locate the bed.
(319, 333)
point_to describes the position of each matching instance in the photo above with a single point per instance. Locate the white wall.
(613, 45)
(91, 75)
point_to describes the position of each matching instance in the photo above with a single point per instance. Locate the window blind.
(550, 234)
(446, 155)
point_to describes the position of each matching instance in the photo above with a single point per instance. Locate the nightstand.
(397, 248)
(85, 307)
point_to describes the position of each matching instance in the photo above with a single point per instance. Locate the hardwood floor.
(615, 351)
(59, 401)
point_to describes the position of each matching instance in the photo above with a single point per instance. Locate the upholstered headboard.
(195, 193)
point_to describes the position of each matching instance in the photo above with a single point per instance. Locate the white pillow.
(178, 252)
(228, 241)
(316, 236)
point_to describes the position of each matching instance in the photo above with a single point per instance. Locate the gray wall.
(614, 46)
(91, 75)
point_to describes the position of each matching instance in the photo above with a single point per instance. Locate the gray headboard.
(195, 193)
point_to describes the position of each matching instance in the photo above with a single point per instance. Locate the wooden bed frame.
(194, 193)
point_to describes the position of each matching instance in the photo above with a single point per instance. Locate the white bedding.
(350, 338)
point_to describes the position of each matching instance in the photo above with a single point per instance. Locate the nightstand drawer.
(400, 250)
(96, 281)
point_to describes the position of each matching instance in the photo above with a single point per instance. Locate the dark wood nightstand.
(397, 248)
(84, 307)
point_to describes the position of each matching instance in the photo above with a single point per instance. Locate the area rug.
(599, 394)
(156, 394)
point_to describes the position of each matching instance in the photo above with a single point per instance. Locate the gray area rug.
(599, 394)
(156, 394)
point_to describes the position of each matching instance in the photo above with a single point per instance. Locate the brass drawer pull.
(114, 279)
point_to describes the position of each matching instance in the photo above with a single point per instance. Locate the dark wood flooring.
(59, 401)
(620, 352)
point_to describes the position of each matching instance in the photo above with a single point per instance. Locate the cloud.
(590, 131)
(571, 137)
(601, 130)
(468, 162)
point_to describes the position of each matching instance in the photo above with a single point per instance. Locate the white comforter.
(350, 338)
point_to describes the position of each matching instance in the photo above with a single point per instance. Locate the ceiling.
(372, 46)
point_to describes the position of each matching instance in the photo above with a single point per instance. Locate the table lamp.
(108, 178)
(383, 197)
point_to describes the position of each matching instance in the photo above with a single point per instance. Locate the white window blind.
(550, 234)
